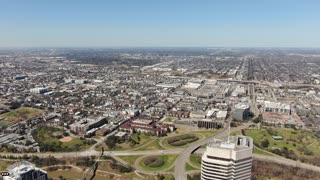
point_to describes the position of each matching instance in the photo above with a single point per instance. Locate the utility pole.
(93, 168)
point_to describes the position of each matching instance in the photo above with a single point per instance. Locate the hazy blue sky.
(263, 23)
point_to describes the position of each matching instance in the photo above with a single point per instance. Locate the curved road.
(180, 163)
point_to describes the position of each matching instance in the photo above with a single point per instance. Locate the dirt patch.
(66, 139)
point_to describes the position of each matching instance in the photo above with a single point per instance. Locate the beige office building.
(229, 159)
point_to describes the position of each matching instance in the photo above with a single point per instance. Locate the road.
(180, 163)
(96, 153)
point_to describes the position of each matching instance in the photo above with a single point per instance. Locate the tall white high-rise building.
(230, 159)
(24, 170)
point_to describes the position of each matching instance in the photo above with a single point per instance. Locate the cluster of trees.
(55, 168)
(112, 141)
(194, 176)
(85, 161)
(40, 162)
(13, 149)
(272, 132)
(285, 153)
(305, 151)
(135, 139)
(48, 161)
(315, 160)
(271, 170)
(258, 119)
(121, 168)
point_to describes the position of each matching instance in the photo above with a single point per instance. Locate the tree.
(111, 142)
(258, 119)
(160, 177)
(265, 143)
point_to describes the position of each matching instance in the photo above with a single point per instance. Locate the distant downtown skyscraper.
(230, 159)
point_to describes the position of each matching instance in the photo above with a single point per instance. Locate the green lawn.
(294, 140)
(74, 142)
(167, 159)
(189, 167)
(194, 159)
(206, 133)
(171, 169)
(235, 133)
(135, 137)
(260, 152)
(129, 159)
(152, 146)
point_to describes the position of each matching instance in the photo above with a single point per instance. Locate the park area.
(56, 140)
(157, 163)
(181, 140)
(135, 141)
(19, 114)
(289, 143)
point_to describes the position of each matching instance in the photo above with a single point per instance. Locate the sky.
(160, 23)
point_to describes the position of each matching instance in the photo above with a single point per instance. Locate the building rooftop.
(276, 105)
(242, 106)
(234, 143)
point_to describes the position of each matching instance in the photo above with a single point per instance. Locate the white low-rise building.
(38, 90)
(277, 107)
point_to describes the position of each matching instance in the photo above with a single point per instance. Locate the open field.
(296, 144)
(129, 159)
(20, 114)
(126, 145)
(167, 159)
(152, 146)
(49, 139)
(206, 133)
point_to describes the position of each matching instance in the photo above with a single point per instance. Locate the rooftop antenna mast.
(229, 130)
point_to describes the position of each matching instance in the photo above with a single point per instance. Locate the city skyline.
(159, 24)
